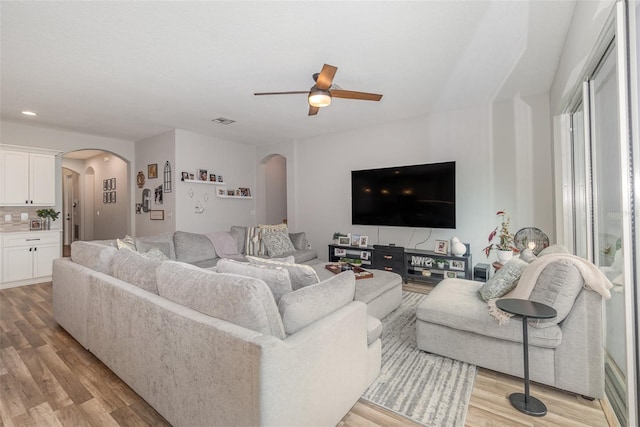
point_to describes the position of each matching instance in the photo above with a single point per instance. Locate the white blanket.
(225, 245)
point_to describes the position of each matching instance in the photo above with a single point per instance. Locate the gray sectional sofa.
(210, 348)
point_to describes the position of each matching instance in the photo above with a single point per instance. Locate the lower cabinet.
(28, 256)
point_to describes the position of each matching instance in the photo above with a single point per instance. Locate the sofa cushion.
(159, 241)
(299, 240)
(553, 249)
(528, 256)
(504, 280)
(252, 242)
(241, 300)
(277, 244)
(145, 247)
(455, 303)
(93, 255)
(155, 254)
(301, 275)
(193, 247)
(132, 267)
(304, 306)
(557, 286)
(277, 278)
(239, 233)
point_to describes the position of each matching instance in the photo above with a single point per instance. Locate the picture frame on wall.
(185, 176)
(220, 179)
(152, 170)
(203, 174)
(157, 215)
(222, 191)
(212, 177)
(442, 247)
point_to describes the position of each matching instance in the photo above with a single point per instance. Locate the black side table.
(534, 310)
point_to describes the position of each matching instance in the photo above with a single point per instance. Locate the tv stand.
(415, 264)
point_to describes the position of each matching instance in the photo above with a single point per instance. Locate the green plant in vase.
(47, 215)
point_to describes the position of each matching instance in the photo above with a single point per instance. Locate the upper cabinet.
(27, 178)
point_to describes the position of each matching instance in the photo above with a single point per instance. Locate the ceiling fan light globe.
(319, 98)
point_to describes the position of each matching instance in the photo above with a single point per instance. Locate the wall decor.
(138, 208)
(146, 195)
(220, 178)
(213, 177)
(190, 193)
(157, 214)
(105, 197)
(198, 207)
(152, 170)
(202, 174)
(105, 184)
(192, 176)
(185, 175)
(167, 177)
(140, 179)
(113, 183)
(231, 193)
(205, 197)
(222, 191)
(158, 195)
(245, 192)
(442, 247)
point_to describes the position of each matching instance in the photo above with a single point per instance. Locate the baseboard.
(25, 282)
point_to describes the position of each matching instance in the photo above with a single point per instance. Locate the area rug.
(430, 389)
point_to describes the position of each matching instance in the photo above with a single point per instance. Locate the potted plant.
(337, 235)
(505, 245)
(442, 263)
(47, 215)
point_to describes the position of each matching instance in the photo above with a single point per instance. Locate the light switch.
(7, 218)
(24, 216)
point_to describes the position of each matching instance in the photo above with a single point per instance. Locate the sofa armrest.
(70, 288)
(318, 373)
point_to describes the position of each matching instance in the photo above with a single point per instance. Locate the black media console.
(414, 264)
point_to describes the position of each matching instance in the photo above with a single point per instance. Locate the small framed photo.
(192, 176)
(442, 247)
(364, 241)
(364, 255)
(355, 240)
(138, 208)
(344, 240)
(222, 191)
(245, 192)
(152, 170)
(35, 224)
(157, 214)
(185, 176)
(450, 274)
(456, 265)
(212, 177)
(339, 252)
(231, 193)
(220, 178)
(202, 174)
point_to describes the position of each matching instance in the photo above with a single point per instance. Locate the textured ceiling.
(135, 69)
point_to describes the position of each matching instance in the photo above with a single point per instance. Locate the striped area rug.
(430, 389)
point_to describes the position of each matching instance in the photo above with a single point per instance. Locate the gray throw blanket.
(225, 245)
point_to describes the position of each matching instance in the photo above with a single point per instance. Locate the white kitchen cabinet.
(27, 178)
(28, 257)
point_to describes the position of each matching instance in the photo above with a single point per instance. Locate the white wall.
(157, 149)
(235, 162)
(276, 188)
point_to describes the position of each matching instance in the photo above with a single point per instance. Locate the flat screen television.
(405, 196)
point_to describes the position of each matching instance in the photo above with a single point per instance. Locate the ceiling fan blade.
(282, 93)
(349, 94)
(313, 110)
(325, 78)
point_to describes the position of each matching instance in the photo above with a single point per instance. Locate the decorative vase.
(47, 223)
(457, 247)
(504, 256)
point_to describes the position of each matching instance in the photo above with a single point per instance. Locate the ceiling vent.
(223, 121)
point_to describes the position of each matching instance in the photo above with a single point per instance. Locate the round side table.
(524, 402)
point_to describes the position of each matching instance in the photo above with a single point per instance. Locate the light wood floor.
(48, 379)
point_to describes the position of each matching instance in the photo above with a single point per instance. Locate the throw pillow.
(162, 239)
(252, 242)
(301, 275)
(557, 286)
(504, 280)
(144, 247)
(304, 306)
(126, 243)
(282, 228)
(299, 240)
(528, 256)
(277, 278)
(239, 233)
(277, 244)
(155, 254)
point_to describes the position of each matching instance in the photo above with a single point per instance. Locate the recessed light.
(29, 113)
(223, 121)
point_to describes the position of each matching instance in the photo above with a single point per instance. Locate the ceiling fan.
(321, 93)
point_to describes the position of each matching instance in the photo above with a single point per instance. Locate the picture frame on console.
(450, 274)
(442, 247)
(344, 240)
(339, 252)
(355, 240)
(364, 241)
(456, 265)
(364, 255)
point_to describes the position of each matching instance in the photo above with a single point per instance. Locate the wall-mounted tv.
(405, 196)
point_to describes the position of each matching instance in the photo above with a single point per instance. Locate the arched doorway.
(275, 188)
